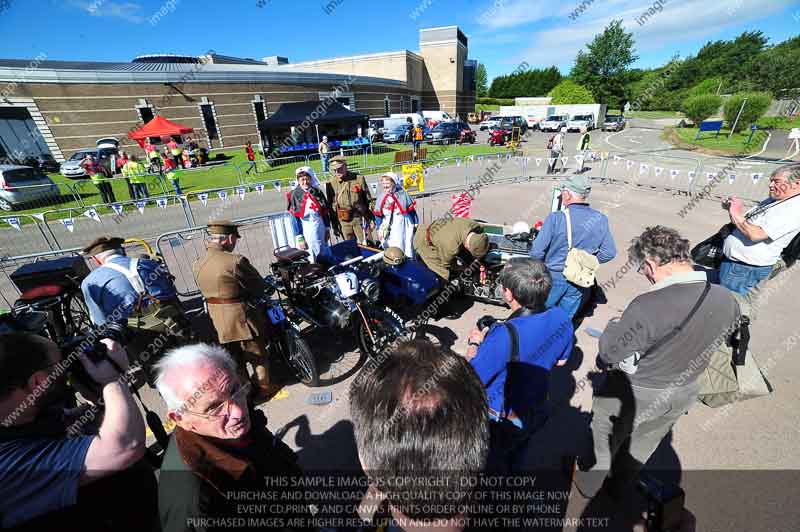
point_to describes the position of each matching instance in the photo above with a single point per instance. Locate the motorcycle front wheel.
(385, 328)
(298, 356)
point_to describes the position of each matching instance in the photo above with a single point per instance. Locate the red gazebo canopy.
(158, 127)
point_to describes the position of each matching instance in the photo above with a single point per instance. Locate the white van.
(416, 118)
(439, 116)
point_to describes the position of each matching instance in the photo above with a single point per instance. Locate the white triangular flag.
(203, 197)
(538, 161)
(241, 191)
(374, 188)
(731, 178)
(565, 160)
(39, 216)
(14, 222)
(277, 185)
(293, 184)
(629, 164)
(223, 195)
(551, 160)
(117, 208)
(458, 162)
(643, 167)
(162, 202)
(756, 176)
(92, 215)
(710, 176)
(141, 205)
(692, 175)
(260, 188)
(658, 171)
(673, 173)
(69, 223)
(579, 158)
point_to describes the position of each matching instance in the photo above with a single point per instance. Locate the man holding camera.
(652, 357)
(50, 479)
(760, 235)
(514, 359)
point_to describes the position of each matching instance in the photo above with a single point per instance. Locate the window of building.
(260, 109)
(386, 107)
(146, 114)
(209, 121)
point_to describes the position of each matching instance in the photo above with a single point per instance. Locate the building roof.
(52, 71)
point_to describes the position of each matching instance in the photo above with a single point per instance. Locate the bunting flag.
(162, 202)
(551, 161)
(277, 185)
(710, 176)
(14, 222)
(92, 215)
(260, 188)
(508, 156)
(39, 216)
(756, 176)
(142, 204)
(731, 178)
(223, 195)
(565, 160)
(374, 188)
(117, 208)
(692, 175)
(579, 158)
(643, 167)
(628, 164)
(538, 161)
(203, 197)
(69, 223)
(462, 204)
(674, 173)
(241, 191)
(293, 184)
(458, 162)
(658, 171)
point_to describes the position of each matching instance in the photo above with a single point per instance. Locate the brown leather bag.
(344, 215)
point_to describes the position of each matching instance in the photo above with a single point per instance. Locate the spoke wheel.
(385, 327)
(299, 357)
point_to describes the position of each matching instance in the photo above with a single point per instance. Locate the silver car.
(24, 185)
(72, 169)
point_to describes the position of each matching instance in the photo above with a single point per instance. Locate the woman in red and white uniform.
(395, 215)
(310, 213)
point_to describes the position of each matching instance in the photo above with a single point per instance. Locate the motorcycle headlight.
(371, 289)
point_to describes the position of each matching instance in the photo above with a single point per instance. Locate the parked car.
(23, 184)
(401, 133)
(614, 123)
(489, 123)
(533, 121)
(451, 131)
(554, 123)
(579, 122)
(438, 116)
(72, 169)
(508, 123)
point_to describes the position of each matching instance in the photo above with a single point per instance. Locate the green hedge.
(495, 101)
(700, 107)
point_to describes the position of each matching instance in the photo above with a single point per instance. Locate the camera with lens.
(484, 322)
(91, 346)
(665, 503)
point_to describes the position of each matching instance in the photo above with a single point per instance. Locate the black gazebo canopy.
(293, 114)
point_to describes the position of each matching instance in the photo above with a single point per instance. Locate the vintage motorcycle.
(338, 292)
(286, 343)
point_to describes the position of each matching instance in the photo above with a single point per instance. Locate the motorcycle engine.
(326, 307)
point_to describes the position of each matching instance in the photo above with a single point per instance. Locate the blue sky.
(502, 33)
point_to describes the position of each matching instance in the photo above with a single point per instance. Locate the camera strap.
(513, 359)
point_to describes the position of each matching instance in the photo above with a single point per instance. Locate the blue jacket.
(544, 339)
(590, 232)
(109, 295)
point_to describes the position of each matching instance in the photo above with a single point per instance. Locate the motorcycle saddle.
(289, 254)
(311, 272)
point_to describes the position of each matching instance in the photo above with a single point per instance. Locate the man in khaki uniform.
(232, 287)
(349, 197)
(439, 243)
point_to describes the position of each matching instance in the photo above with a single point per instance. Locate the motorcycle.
(498, 136)
(286, 343)
(339, 292)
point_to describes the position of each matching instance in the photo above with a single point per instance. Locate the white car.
(554, 123)
(489, 123)
(581, 122)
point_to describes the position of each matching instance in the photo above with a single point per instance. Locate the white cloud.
(496, 14)
(678, 21)
(127, 11)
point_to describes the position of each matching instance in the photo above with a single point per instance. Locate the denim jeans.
(324, 157)
(176, 185)
(741, 278)
(140, 191)
(565, 295)
(508, 443)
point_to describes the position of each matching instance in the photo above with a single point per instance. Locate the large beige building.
(58, 107)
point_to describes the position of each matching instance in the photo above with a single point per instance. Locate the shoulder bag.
(581, 266)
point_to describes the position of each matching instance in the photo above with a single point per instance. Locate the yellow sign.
(414, 176)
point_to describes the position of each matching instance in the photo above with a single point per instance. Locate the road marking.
(608, 141)
(634, 141)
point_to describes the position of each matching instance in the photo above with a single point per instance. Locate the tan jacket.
(446, 239)
(225, 275)
(347, 193)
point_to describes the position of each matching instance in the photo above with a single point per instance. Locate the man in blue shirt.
(55, 474)
(590, 232)
(544, 338)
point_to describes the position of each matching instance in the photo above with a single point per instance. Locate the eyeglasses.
(223, 409)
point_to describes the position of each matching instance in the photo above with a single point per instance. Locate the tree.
(569, 92)
(533, 82)
(700, 107)
(755, 107)
(481, 81)
(604, 66)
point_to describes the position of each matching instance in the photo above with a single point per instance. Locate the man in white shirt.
(761, 233)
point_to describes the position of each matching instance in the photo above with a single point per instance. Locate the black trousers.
(106, 192)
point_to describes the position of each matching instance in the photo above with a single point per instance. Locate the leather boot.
(264, 390)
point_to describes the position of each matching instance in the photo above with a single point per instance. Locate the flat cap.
(579, 184)
(338, 161)
(103, 243)
(223, 227)
(477, 244)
